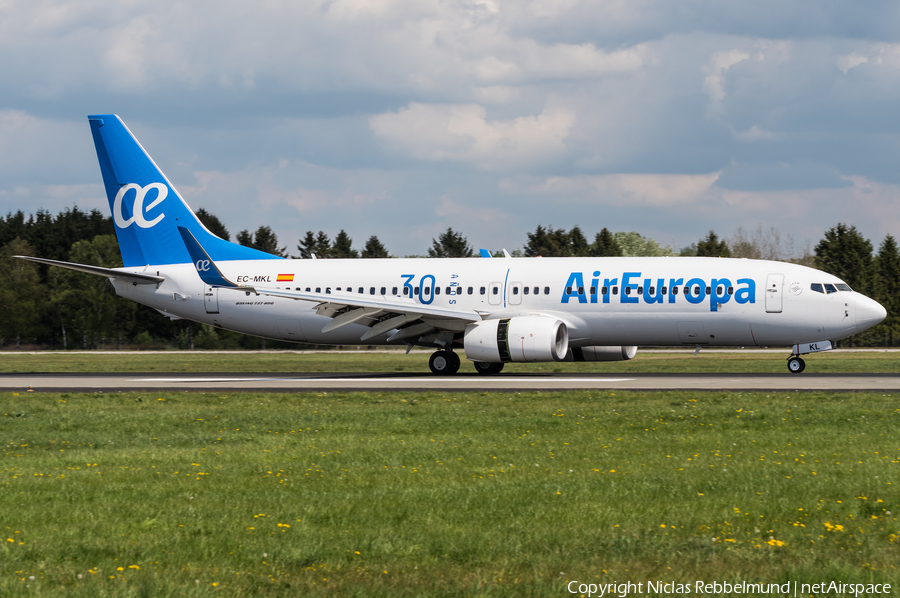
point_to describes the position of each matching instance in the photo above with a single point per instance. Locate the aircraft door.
(774, 293)
(514, 294)
(211, 299)
(495, 293)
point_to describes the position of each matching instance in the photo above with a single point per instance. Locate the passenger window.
(537, 290)
(652, 290)
(829, 288)
(383, 291)
(307, 289)
(481, 291)
(581, 290)
(416, 290)
(627, 290)
(405, 291)
(731, 290)
(515, 290)
(708, 291)
(371, 290)
(495, 290)
(674, 290)
(525, 291)
(568, 290)
(615, 290)
(546, 290)
(593, 290)
(327, 290)
(427, 291)
(640, 290)
(393, 290)
(687, 290)
(318, 289)
(720, 290)
(471, 290)
(604, 290)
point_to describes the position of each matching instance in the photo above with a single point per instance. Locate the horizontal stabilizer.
(135, 277)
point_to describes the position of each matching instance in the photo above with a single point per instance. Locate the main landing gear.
(796, 364)
(444, 363)
(488, 369)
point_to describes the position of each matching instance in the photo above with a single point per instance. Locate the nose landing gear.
(796, 364)
(444, 363)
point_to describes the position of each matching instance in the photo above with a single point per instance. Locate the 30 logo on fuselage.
(138, 209)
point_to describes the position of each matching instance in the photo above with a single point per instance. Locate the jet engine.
(600, 353)
(520, 339)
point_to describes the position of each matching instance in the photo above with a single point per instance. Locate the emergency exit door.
(774, 293)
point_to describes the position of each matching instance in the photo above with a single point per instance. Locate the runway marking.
(382, 380)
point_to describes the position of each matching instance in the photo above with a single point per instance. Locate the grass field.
(371, 361)
(356, 494)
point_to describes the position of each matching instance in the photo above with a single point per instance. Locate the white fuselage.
(603, 301)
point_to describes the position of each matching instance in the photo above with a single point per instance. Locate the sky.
(401, 118)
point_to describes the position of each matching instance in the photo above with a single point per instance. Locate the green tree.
(266, 240)
(263, 239)
(845, 253)
(578, 244)
(711, 246)
(315, 243)
(634, 245)
(374, 248)
(888, 283)
(605, 245)
(342, 246)
(550, 242)
(20, 292)
(245, 238)
(450, 244)
(97, 312)
(213, 224)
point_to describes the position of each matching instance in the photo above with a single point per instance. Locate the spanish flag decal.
(285, 278)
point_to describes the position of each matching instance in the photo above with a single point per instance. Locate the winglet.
(203, 264)
(484, 253)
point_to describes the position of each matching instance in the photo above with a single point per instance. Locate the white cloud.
(462, 132)
(633, 190)
(719, 63)
(848, 61)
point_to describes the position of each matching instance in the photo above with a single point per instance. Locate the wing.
(410, 320)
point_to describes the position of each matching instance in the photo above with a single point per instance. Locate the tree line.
(57, 308)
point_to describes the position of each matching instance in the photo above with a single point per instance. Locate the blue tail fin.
(146, 208)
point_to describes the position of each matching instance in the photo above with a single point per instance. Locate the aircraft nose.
(868, 313)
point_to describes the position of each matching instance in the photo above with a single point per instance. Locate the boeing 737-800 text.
(493, 311)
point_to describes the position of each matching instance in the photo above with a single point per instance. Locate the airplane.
(493, 311)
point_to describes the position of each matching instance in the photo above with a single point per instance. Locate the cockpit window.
(829, 288)
(817, 287)
(843, 287)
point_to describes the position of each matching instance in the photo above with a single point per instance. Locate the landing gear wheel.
(444, 363)
(796, 365)
(488, 369)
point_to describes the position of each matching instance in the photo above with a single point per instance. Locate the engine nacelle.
(600, 353)
(521, 338)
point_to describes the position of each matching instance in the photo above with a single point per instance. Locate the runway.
(461, 382)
